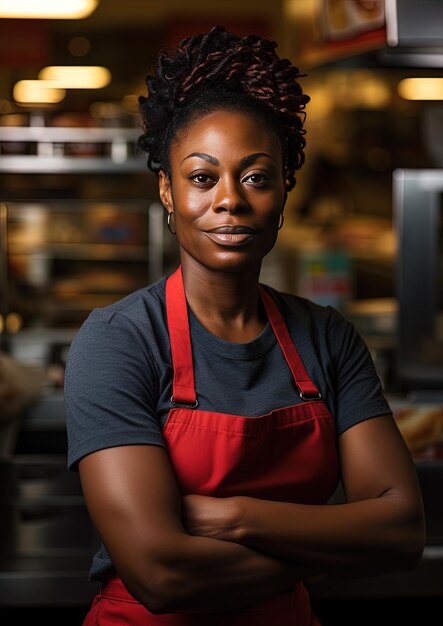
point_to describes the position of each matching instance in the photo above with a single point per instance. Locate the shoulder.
(136, 308)
(137, 311)
(133, 325)
(337, 359)
(323, 327)
(308, 312)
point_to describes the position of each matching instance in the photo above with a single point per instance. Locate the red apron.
(289, 454)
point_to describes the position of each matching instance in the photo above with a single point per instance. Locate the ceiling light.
(47, 9)
(77, 77)
(421, 88)
(37, 91)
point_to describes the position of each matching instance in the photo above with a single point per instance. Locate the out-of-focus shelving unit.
(84, 239)
(69, 256)
(38, 149)
(80, 227)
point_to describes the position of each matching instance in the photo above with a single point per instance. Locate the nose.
(229, 196)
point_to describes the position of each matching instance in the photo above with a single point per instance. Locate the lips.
(228, 235)
(233, 230)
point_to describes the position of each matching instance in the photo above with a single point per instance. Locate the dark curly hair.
(220, 70)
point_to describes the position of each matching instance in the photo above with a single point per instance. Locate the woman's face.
(227, 190)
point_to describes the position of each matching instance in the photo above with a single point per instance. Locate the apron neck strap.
(306, 388)
(183, 386)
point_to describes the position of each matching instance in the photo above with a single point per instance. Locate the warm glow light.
(299, 9)
(77, 77)
(370, 90)
(130, 103)
(421, 88)
(47, 9)
(37, 91)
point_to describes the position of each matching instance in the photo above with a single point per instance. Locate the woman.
(211, 418)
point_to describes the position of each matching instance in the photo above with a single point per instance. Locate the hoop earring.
(281, 220)
(169, 223)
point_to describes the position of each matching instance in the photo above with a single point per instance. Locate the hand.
(220, 518)
(206, 516)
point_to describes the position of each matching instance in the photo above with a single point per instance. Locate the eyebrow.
(202, 155)
(245, 161)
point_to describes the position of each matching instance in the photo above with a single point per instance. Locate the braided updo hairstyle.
(220, 70)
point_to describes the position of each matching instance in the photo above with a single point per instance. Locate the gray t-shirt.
(118, 379)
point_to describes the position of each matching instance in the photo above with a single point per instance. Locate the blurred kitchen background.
(81, 226)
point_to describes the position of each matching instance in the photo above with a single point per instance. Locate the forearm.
(359, 538)
(200, 574)
(164, 565)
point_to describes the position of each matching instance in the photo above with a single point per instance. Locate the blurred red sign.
(23, 42)
(347, 19)
(338, 28)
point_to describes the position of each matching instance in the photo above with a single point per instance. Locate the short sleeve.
(110, 389)
(358, 390)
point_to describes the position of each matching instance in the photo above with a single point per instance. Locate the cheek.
(191, 205)
(270, 207)
(195, 203)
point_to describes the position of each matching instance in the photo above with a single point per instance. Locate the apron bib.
(288, 454)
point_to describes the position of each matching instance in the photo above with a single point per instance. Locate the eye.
(201, 179)
(257, 179)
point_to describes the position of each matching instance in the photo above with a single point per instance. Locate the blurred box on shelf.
(325, 276)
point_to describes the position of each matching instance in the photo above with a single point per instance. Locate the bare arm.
(134, 502)
(379, 529)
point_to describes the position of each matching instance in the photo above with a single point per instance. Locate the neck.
(226, 303)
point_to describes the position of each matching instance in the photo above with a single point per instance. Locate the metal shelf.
(28, 164)
(48, 134)
(85, 251)
(51, 143)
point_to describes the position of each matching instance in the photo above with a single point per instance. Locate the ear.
(285, 197)
(164, 187)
